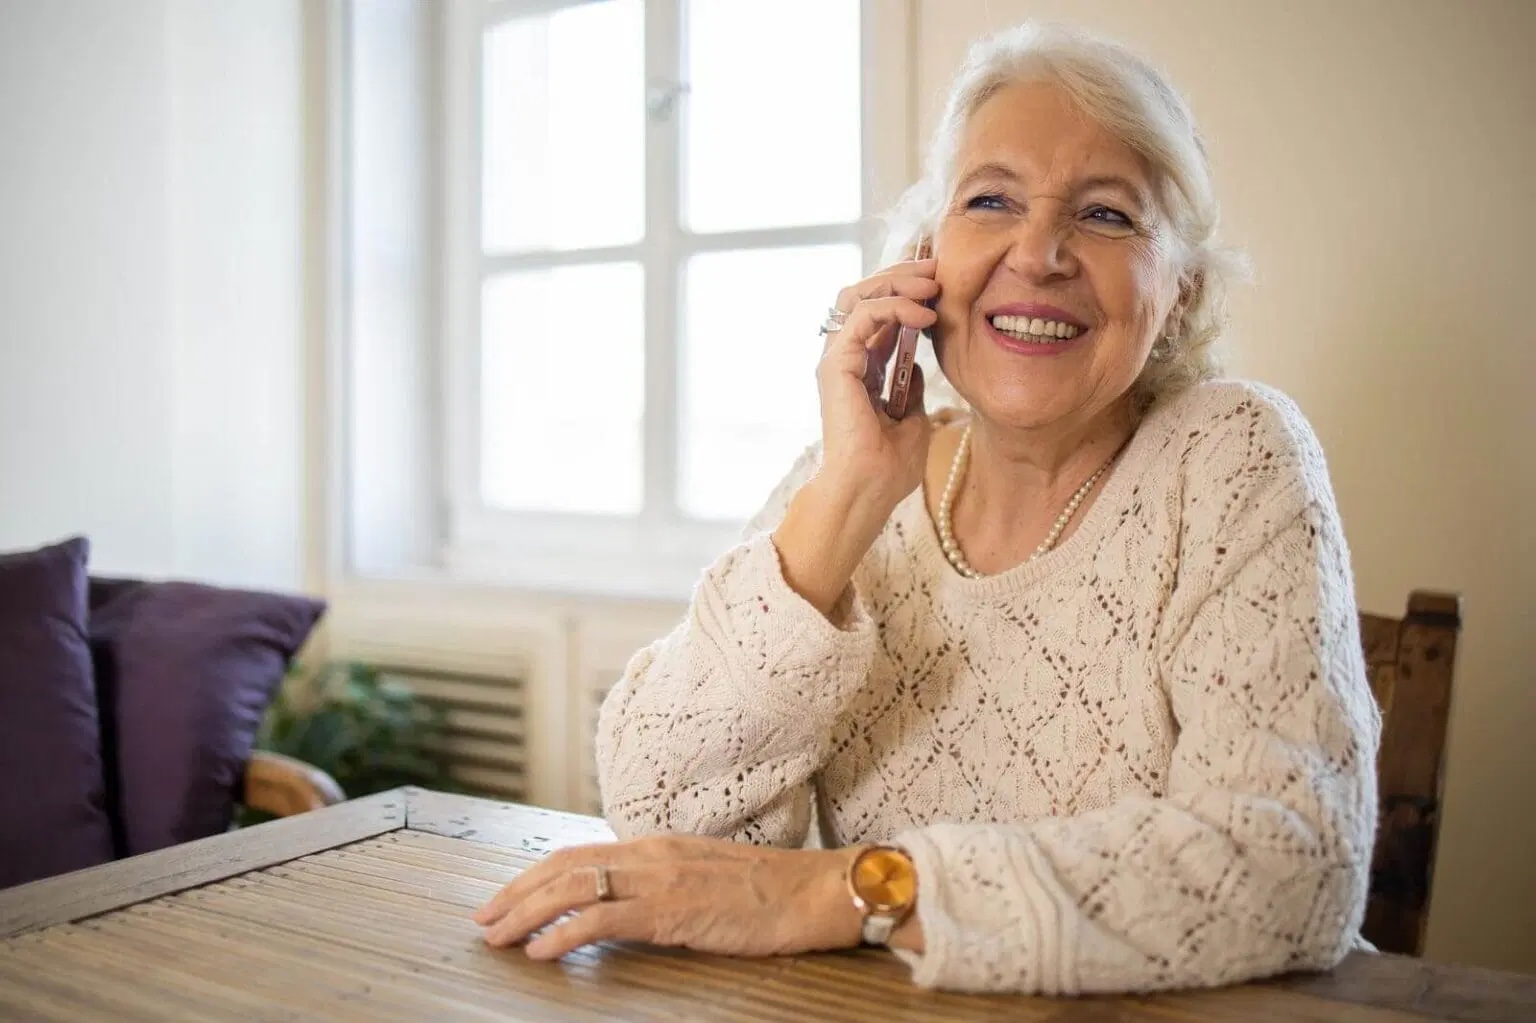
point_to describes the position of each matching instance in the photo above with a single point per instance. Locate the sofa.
(129, 709)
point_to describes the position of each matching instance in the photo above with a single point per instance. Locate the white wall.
(86, 414)
(152, 324)
(236, 181)
(1376, 159)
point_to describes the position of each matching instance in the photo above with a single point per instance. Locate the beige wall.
(1377, 160)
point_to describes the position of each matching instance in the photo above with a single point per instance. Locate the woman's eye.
(990, 201)
(1106, 215)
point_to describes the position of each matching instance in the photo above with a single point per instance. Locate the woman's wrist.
(872, 498)
(845, 919)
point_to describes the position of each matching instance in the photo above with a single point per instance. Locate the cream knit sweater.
(1144, 760)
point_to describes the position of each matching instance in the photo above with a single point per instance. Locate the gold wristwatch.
(883, 882)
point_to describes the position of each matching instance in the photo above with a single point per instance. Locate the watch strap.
(878, 928)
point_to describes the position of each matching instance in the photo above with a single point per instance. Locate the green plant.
(368, 732)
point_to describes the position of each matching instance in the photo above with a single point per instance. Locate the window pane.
(772, 132)
(563, 389)
(564, 129)
(749, 370)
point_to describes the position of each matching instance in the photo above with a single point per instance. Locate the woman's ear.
(1190, 287)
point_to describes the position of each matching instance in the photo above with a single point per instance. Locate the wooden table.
(362, 911)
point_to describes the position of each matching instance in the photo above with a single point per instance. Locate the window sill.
(636, 576)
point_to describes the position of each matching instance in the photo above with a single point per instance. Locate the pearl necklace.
(947, 503)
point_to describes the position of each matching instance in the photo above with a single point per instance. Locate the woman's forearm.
(826, 532)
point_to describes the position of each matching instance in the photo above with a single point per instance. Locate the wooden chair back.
(1410, 660)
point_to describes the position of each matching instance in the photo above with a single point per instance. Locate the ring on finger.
(834, 321)
(604, 884)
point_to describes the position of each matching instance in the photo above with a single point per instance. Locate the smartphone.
(900, 373)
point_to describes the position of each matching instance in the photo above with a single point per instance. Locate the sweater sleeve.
(718, 728)
(1255, 861)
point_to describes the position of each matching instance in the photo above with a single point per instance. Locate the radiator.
(520, 679)
(483, 741)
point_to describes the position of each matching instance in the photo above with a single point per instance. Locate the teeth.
(1027, 329)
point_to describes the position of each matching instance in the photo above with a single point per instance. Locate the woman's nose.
(1041, 248)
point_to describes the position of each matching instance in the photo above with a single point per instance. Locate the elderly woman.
(1071, 680)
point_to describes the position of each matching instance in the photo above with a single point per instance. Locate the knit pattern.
(1144, 760)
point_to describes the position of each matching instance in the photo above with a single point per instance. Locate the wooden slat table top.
(362, 911)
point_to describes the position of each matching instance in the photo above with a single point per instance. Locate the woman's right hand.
(866, 453)
(869, 462)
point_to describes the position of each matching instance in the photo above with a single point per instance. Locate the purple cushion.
(53, 814)
(186, 673)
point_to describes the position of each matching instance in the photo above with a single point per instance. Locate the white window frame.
(658, 553)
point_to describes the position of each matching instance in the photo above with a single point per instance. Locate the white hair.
(1134, 101)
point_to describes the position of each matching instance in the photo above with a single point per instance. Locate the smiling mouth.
(1034, 330)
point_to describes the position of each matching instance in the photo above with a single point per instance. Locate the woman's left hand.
(706, 894)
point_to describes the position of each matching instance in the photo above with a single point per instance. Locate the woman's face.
(1052, 229)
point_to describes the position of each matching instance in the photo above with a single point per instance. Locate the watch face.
(885, 879)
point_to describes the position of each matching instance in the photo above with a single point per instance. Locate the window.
(646, 207)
